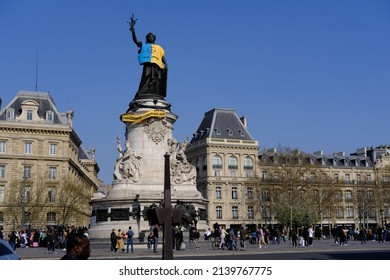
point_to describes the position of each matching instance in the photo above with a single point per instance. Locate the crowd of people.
(74, 240)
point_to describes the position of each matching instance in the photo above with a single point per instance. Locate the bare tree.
(294, 188)
(73, 201)
(25, 200)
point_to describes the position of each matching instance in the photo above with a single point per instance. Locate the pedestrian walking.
(119, 241)
(113, 241)
(51, 239)
(130, 235)
(294, 238)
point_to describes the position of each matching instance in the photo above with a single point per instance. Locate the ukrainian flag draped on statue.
(151, 53)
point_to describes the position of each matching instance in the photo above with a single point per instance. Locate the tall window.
(347, 179)
(235, 212)
(264, 176)
(218, 193)
(26, 172)
(1, 193)
(232, 163)
(348, 195)
(52, 173)
(370, 195)
(51, 217)
(1, 218)
(28, 148)
(339, 212)
(265, 195)
(233, 166)
(217, 165)
(3, 146)
(217, 162)
(371, 213)
(2, 171)
(248, 166)
(53, 149)
(218, 212)
(29, 115)
(234, 193)
(339, 196)
(266, 212)
(52, 194)
(251, 212)
(349, 212)
(249, 193)
(358, 178)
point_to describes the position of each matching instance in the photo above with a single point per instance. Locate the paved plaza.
(100, 250)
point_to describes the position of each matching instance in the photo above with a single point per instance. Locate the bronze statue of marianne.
(153, 82)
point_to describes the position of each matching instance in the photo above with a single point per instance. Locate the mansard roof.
(222, 123)
(319, 158)
(42, 99)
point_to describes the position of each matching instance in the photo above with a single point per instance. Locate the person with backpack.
(130, 242)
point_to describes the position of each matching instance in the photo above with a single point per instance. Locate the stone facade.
(38, 149)
(231, 170)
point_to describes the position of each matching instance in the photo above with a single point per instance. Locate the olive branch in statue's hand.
(132, 22)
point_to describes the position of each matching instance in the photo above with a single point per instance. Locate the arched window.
(248, 163)
(217, 162)
(52, 195)
(233, 163)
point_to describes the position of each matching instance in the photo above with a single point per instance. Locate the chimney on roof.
(243, 120)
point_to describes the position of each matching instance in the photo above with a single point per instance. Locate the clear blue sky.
(308, 74)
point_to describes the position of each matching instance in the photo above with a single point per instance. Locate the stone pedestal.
(139, 171)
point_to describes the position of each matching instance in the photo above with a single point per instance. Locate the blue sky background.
(314, 75)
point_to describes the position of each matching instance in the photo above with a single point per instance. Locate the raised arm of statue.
(132, 30)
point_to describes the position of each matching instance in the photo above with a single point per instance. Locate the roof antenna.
(36, 68)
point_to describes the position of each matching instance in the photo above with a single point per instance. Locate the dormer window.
(242, 133)
(10, 114)
(50, 116)
(217, 131)
(29, 115)
(230, 132)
